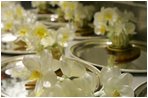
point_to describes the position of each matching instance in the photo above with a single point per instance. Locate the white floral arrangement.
(40, 38)
(74, 80)
(47, 37)
(114, 83)
(76, 12)
(41, 79)
(14, 17)
(115, 24)
(112, 20)
(35, 36)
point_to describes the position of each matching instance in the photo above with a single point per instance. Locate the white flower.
(50, 39)
(111, 21)
(75, 82)
(72, 68)
(41, 64)
(79, 13)
(130, 28)
(100, 29)
(76, 12)
(116, 84)
(110, 14)
(24, 29)
(19, 12)
(40, 30)
(64, 35)
(8, 26)
(33, 43)
(42, 70)
(18, 71)
(14, 17)
(89, 11)
(40, 38)
(87, 83)
(68, 8)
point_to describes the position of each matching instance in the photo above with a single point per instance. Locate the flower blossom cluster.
(15, 17)
(77, 12)
(115, 83)
(74, 81)
(40, 37)
(112, 21)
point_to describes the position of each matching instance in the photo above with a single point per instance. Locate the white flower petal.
(47, 41)
(45, 59)
(130, 28)
(39, 88)
(65, 34)
(108, 72)
(49, 77)
(72, 68)
(32, 62)
(126, 91)
(125, 79)
(55, 64)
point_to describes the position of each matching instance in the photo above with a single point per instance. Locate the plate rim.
(139, 86)
(16, 52)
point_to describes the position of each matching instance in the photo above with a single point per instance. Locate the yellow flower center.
(35, 75)
(108, 16)
(23, 31)
(102, 29)
(41, 32)
(116, 93)
(65, 38)
(8, 26)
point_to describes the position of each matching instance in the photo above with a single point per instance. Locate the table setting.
(73, 49)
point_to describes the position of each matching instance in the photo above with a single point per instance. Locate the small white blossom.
(115, 83)
(64, 35)
(42, 69)
(112, 20)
